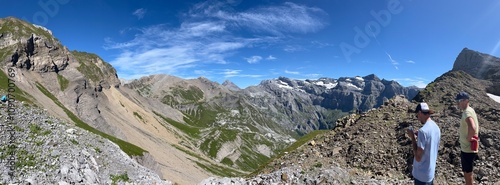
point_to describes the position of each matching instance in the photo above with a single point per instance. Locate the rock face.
(478, 65)
(32, 48)
(346, 93)
(35, 51)
(230, 85)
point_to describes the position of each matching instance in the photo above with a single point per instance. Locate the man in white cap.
(425, 143)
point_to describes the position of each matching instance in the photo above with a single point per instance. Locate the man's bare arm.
(471, 128)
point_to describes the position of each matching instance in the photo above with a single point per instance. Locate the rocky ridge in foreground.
(51, 151)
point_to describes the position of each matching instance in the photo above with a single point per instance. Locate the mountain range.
(186, 130)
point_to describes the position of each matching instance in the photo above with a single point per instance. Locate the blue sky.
(409, 41)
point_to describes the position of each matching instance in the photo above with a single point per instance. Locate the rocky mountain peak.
(477, 64)
(371, 77)
(230, 85)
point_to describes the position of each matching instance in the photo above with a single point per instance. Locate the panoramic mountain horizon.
(219, 92)
(247, 42)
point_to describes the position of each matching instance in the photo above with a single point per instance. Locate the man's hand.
(411, 134)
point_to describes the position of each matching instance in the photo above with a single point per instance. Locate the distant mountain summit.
(479, 65)
(230, 85)
(345, 93)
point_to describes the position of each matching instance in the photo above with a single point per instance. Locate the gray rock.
(90, 176)
(63, 183)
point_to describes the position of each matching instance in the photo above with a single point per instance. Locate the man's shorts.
(468, 161)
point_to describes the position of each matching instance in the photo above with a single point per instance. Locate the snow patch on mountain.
(494, 97)
(327, 85)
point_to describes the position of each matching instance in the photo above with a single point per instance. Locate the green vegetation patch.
(87, 67)
(24, 158)
(212, 144)
(5, 53)
(220, 170)
(22, 29)
(128, 148)
(136, 114)
(122, 177)
(303, 140)
(202, 116)
(192, 94)
(169, 100)
(251, 159)
(192, 154)
(35, 129)
(63, 82)
(189, 130)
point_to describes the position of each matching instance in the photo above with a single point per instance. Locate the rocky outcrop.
(230, 85)
(75, 78)
(36, 51)
(52, 151)
(478, 65)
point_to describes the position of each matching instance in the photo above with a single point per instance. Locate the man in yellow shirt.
(468, 132)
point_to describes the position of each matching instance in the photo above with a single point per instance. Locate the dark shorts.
(417, 182)
(467, 161)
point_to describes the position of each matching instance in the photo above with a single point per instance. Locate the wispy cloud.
(393, 62)
(314, 75)
(228, 73)
(253, 59)
(292, 72)
(270, 57)
(285, 18)
(292, 48)
(139, 13)
(210, 32)
(410, 61)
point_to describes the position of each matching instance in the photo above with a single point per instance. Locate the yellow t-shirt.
(463, 130)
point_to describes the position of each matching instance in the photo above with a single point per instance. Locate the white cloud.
(228, 73)
(410, 61)
(292, 72)
(231, 73)
(292, 48)
(254, 59)
(419, 82)
(139, 13)
(208, 34)
(270, 57)
(314, 75)
(393, 62)
(285, 18)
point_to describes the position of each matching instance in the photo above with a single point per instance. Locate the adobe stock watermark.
(372, 28)
(7, 128)
(50, 8)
